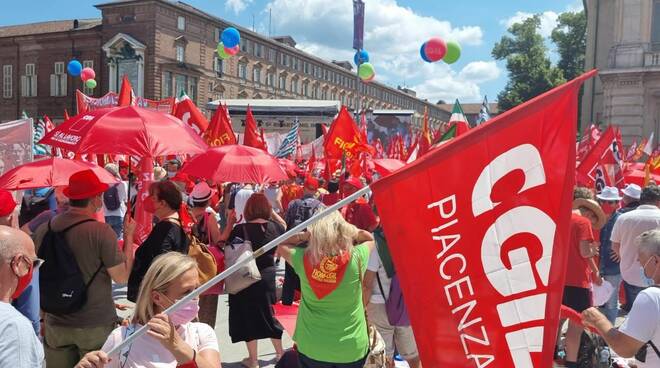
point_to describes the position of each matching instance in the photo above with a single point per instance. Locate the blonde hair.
(330, 236)
(163, 270)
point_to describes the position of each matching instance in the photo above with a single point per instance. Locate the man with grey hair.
(639, 335)
(19, 346)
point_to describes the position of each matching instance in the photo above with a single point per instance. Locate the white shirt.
(240, 200)
(19, 346)
(643, 323)
(376, 265)
(147, 352)
(122, 193)
(626, 229)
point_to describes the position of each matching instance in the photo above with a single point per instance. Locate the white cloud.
(480, 71)
(237, 6)
(393, 36)
(548, 21)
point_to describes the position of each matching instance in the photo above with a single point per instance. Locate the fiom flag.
(482, 264)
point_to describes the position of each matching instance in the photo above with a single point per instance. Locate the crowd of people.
(85, 234)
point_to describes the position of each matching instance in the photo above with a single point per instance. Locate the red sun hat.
(84, 184)
(311, 183)
(7, 203)
(356, 182)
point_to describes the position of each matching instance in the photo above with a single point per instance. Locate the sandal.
(248, 363)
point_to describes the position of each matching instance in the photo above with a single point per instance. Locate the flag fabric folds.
(220, 130)
(458, 119)
(187, 111)
(344, 136)
(290, 142)
(252, 138)
(486, 244)
(126, 96)
(484, 112)
(602, 166)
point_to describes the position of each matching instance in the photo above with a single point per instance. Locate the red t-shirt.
(331, 198)
(360, 214)
(577, 267)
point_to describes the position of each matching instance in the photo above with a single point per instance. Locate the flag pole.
(261, 251)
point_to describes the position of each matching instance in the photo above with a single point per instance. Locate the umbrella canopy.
(386, 166)
(234, 163)
(128, 130)
(288, 166)
(51, 172)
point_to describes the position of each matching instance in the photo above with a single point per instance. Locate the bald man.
(19, 346)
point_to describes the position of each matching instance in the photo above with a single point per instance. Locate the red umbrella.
(235, 163)
(51, 172)
(386, 166)
(288, 166)
(126, 130)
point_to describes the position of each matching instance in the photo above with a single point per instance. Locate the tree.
(529, 68)
(570, 37)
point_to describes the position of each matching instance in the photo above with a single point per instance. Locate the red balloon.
(435, 49)
(233, 50)
(87, 73)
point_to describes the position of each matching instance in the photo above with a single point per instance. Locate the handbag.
(376, 357)
(248, 274)
(206, 263)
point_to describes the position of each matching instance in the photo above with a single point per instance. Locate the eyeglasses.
(36, 262)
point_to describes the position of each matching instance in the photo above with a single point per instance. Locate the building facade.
(623, 42)
(167, 47)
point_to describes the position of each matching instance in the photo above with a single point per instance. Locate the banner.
(111, 99)
(15, 144)
(481, 252)
(143, 219)
(358, 24)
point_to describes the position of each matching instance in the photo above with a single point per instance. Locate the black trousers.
(291, 284)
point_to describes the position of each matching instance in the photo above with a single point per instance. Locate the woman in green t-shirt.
(331, 331)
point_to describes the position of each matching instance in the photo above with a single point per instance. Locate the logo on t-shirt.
(327, 275)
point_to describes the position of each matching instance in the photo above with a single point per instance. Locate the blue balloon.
(230, 37)
(361, 57)
(422, 53)
(74, 68)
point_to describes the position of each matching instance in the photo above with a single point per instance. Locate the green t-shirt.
(333, 329)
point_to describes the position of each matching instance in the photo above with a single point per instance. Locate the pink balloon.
(233, 50)
(435, 49)
(87, 73)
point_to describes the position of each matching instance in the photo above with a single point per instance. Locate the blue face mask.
(648, 281)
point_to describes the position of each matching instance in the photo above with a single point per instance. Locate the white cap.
(633, 191)
(201, 192)
(609, 194)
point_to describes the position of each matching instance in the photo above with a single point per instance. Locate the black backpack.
(62, 289)
(305, 210)
(111, 198)
(33, 206)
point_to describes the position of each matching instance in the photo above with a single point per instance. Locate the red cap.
(311, 183)
(7, 204)
(356, 182)
(84, 184)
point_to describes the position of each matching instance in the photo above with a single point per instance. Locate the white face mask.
(648, 281)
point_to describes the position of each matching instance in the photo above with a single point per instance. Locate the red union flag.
(482, 264)
(602, 165)
(344, 137)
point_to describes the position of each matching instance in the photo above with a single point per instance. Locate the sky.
(394, 32)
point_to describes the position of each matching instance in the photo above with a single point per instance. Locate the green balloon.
(366, 70)
(453, 52)
(221, 52)
(91, 84)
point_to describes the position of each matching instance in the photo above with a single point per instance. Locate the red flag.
(490, 239)
(251, 136)
(311, 162)
(344, 136)
(220, 130)
(143, 219)
(81, 104)
(425, 137)
(363, 128)
(66, 115)
(125, 93)
(589, 139)
(602, 165)
(190, 114)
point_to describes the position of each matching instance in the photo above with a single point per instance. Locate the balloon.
(366, 70)
(362, 56)
(422, 53)
(222, 54)
(87, 74)
(74, 67)
(453, 52)
(373, 76)
(435, 49)
(230, 37)
(233, 50)
(90, 83)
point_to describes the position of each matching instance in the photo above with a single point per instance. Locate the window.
(655, 26)
(272, 55)
(324, 94)
(242, 70)
(192, 88)
(58, 80)
(7, 81)
(218, 35)
(294, 63)
(89, 64)
(218, 66)
(180, 53)
(282, 84)
(166, 89)
(29, 81)
(258, 50)
(181, 23)
(256, 75)
(283, 59)
(305, 90)
(245, 45)
(294, 86)
(270, 80)
(306, 67)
